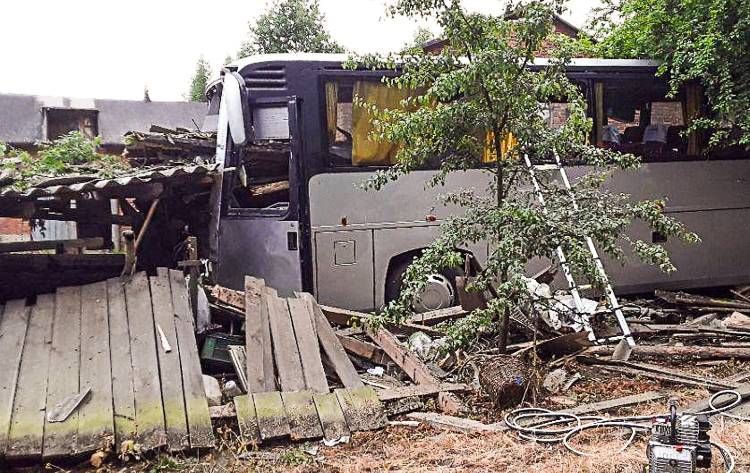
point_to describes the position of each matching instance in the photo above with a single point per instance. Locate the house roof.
(22, 116)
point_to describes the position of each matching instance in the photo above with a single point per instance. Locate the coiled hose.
(539, 420)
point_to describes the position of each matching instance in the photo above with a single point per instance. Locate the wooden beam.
(703, 353)
(365, 350)
(420, 390)
(15, 246)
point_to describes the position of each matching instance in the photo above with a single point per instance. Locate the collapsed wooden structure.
(127, 347)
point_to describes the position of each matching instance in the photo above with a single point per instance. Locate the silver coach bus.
(290, 208)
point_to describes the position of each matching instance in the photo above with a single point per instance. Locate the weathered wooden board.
(331, 416)
(307, 343)
(196, 406)
(27, 424)
(239, 360)
(368, 351)
(286, 354)
(95, 417)
(334, 351)
(269, 373)
(123, 396)
(13, 325)
(60, 438)
(247, 419)
(303, 418)
(254, 336)
(149, 410)
(272, 418)
(419, 390)
(169, 363)
(367, 408)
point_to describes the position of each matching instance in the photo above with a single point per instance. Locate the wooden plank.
(272, 418)
(254, 335)
(90, 243)
(452, 424)
(95, 417)
(303, 418)
(27, 426)
(170, 373)
(123, 396)
(368, 351)
(403, 392)
(331, 416)
(353, 421)
(435, 317)
(333, 349)
(13, 326)
(413, 367)
(604, 406)
(286, 354)
(196, 406)
(702, 405)
(367, 408)
(269, 373)
(307, 343)
(60, 438)
(247, 419)
(239, 359)
(149, 409)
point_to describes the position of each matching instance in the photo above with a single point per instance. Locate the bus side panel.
(264, 248)
(344, 268)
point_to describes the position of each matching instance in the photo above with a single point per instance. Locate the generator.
(679, 443)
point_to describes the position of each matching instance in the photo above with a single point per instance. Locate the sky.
(113, 49)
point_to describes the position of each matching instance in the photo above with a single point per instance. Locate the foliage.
(71, 152)
(480, 86)
(197, 92)
(700, 41)
(421, 36)
(290, 26)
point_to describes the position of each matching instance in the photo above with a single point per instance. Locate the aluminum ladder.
(574, 287)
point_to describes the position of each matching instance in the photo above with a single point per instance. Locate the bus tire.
(440, 293)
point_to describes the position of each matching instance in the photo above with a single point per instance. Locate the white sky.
(114, 48)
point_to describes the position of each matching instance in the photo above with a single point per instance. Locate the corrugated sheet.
(102, 184)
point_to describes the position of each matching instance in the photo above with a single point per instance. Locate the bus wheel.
(439, 293)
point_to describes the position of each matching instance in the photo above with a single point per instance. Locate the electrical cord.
(539, 431)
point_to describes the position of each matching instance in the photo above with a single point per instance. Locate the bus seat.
(632, 134)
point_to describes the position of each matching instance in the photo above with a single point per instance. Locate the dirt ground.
(422, 449)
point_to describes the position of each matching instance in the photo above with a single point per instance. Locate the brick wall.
(14, 229)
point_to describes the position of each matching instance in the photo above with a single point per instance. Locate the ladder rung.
(584, 287)
(545, 167)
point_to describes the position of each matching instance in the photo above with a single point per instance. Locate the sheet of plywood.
(272, 418)
(286, 354)
(255, 341)
(247, 419)
(149, 410)
(331, 416)
(27, 423)
(303, 417)
(169, 362)
(95, 417)
(196, 406)
(123, 397)
(60, 438)
(307, 343)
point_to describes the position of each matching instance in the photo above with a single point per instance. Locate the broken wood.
(703, 353)
(435, 317)
(420, 390)
(689, 299)
(270, 188)
(17, 246)
(451, 423)
(364, 350)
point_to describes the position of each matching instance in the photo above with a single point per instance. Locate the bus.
(293, 152)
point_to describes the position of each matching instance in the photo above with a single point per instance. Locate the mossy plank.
(286, 353)
(303, 418)
(123, 397)
(196, 406)
(27, 425)
(149, 410)
(254, 335)
(247, 419)
(95, 417)
(272, 418)
(60, 438)
(333, 348)
(309, 348)
(169, 363)
(331, 416)
(367, 408)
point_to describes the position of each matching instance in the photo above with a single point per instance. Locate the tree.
(470, 99)
(197, 92)
(703, 42)
(421, 36)
(290, 26)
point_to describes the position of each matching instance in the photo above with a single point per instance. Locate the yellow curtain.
(366, 151)
(506, 144)
(332, 93)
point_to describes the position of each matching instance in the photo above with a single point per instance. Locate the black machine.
(679, 443)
